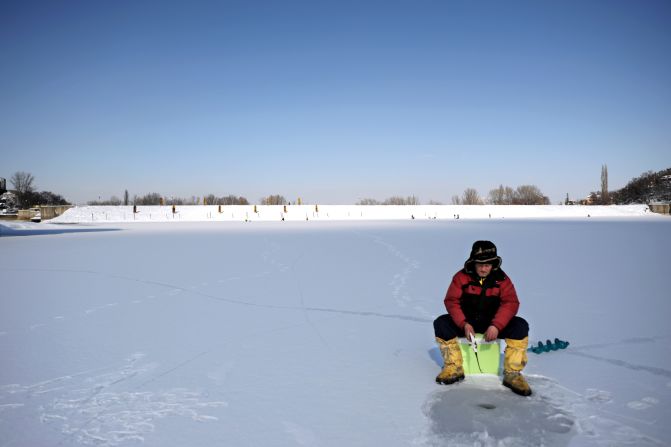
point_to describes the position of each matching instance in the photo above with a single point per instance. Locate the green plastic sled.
(489, 354)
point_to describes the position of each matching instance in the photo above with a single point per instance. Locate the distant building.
(660, 207)
(592, 199)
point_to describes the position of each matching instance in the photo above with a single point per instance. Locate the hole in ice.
(487, 406)
(468, 413)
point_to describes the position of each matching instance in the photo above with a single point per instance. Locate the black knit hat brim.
(495, 262)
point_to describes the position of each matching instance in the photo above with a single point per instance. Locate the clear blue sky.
(333, 101)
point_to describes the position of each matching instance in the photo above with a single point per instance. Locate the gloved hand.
(492, 333)
(469, 331)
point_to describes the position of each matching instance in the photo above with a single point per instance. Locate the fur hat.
(483, 252)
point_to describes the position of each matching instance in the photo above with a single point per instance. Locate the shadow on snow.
(6, 231)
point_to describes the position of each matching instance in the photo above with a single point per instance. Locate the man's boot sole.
(517, 391)
(450, 381)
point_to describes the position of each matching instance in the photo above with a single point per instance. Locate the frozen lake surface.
(320, 334)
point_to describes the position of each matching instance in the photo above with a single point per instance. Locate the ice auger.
(548, 346)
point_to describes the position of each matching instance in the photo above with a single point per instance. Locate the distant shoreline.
(237, 213)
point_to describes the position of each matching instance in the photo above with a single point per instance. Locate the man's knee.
(444, 327)
(517, 329)
(440, 321)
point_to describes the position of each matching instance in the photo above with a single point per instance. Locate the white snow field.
(320, 334)
(247, 213)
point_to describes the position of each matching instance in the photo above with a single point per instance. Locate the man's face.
(483, 270)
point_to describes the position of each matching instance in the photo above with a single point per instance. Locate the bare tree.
(502, 195)
(274, 200)
(456, 200)
(211, 199)
(396, 200)
(530, 195)
(125, 198)
(23, 185)
(367, 201)
(471, 197)
(496, 196)
(153, 198)
(232, 200)
(23, 182)
(509, 196)
(605, 198)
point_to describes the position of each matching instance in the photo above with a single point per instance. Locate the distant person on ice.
(482, 299)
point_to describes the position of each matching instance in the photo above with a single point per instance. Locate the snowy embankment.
(201, 213)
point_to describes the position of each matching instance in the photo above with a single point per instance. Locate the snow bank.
(239, 213)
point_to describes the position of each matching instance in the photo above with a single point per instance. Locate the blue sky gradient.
(333, 101)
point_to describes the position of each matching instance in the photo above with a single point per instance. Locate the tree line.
(522, 195)
(155, 198)
(647, 187)
(27, 194)
(642, 189)
(504, 195)
(394, 200)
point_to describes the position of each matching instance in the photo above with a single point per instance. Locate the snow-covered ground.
(320, 333)
(339, 212)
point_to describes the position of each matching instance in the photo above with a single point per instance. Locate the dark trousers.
(444, 327)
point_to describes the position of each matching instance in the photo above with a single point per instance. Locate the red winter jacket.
(493, 303)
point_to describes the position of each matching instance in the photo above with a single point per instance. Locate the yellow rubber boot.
(514, 361)
(453, 371)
